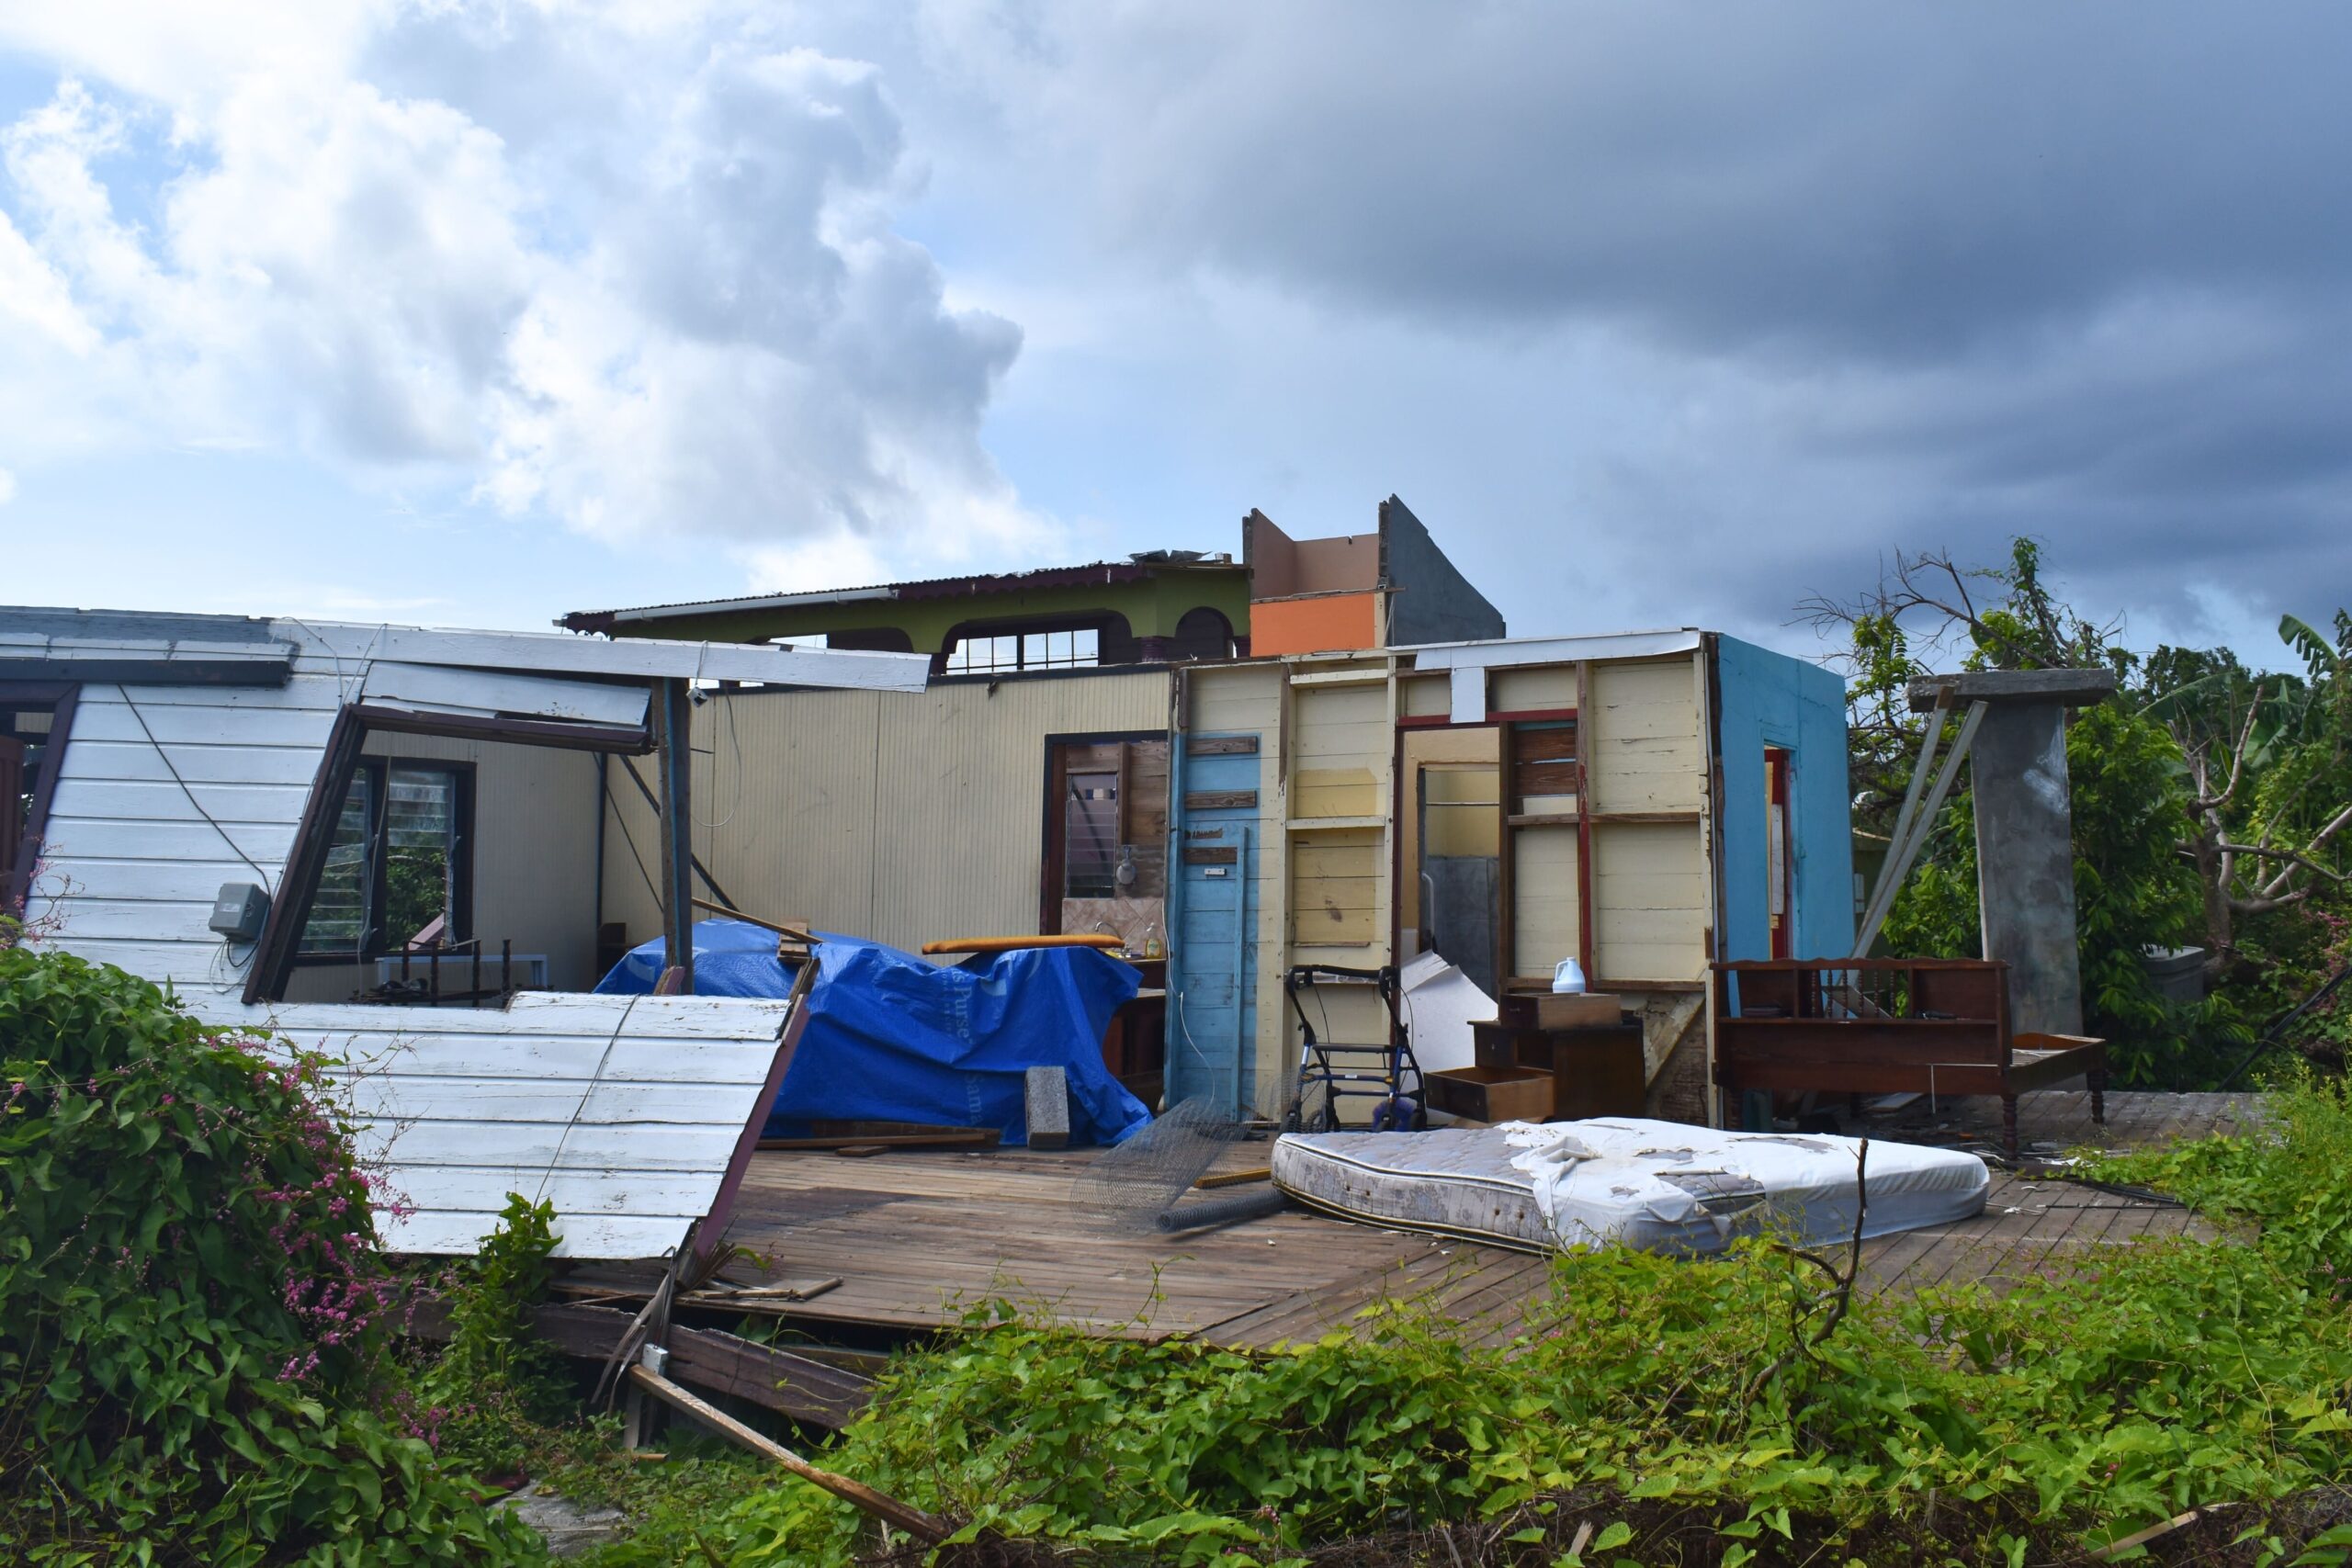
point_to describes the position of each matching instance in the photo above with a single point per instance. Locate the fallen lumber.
(1235, 1178)
(1020, 944)
(791, 1385)
(928, 1528)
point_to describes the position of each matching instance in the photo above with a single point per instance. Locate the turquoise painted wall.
(1769, 699)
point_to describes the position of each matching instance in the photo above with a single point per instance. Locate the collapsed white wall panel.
(623, 1111)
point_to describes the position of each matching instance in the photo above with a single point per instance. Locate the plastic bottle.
(1568, 980)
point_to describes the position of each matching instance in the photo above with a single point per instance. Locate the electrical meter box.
(239, 911)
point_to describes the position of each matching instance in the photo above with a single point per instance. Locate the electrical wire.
(594, 1079)
(735, 796)
(173, 770)
(627, 838)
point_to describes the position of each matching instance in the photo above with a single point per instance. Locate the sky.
(475, 311)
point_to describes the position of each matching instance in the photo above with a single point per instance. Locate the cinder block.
(1048, 1092)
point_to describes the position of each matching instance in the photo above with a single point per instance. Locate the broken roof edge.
(1497, 652)
(1135, 568)
(61, 640)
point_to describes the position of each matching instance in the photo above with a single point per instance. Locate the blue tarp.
(891, 1038)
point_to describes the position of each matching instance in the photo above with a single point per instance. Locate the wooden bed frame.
(1888, 1026)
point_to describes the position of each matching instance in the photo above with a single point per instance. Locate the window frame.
(377, 942)
(273, 963)
(60, 697)
(1019, 629)
(1053, 873)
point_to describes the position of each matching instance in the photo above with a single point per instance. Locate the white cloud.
(669, 302)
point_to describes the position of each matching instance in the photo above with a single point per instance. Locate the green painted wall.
(1152, 607)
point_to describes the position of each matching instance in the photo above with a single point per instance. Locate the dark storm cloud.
(1893, 181)
(2081, 272)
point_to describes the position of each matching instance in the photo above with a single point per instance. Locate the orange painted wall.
(1329, 623)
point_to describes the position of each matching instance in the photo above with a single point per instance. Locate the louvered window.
(397, 862)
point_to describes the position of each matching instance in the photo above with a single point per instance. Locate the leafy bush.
(192, 1302)
(497, 1379)
(2287, 1179)
(2170, 1376)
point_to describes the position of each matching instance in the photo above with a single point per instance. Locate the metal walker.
(1386, 1073)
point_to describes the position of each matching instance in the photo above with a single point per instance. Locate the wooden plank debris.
(928, 1528)
(804, 1389)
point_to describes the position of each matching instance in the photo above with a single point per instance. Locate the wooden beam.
(677, 831)
(804, 1390)
(157, 672)
(928, 1528)
(289, 904)
(557, 734)
(15, 894)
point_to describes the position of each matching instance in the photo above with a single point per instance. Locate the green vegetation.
(192, 1305)
(193, 1369)
(1682, 1409)
(2211, 806)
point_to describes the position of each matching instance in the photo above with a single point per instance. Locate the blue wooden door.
(1212, 967)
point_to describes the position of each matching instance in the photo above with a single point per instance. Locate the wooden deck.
(916, 1239)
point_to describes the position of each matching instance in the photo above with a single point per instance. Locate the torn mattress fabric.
(1659, 1186)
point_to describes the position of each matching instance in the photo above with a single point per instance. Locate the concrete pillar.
(2024, 863)
(2025, 830)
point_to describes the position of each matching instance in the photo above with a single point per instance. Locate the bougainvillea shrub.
(193, 1303)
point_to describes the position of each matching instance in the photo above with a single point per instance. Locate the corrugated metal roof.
(1134, 569)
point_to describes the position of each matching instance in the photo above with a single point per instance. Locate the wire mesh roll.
(1204, 1213)
(1132, 1185)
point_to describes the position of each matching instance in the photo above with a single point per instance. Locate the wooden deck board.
(919, 1236)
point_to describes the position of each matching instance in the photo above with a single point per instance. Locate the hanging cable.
(185, 790)
(622, 821)
(735, 796)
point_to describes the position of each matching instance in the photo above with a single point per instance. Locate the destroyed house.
(1643, 804)
(1025, 790)
(383, 843)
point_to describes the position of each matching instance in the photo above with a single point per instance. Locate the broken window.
(396, 871)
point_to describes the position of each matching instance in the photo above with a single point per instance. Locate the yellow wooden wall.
(904, 818)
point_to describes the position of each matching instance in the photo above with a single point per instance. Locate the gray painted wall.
(1433, 601)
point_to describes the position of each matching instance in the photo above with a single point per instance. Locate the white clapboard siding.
(312, 685)
(589, 1236)
(146, 842)
(569, 1057)
(563, 1097)
(428, 1146)
(136, 760)
(83, 799)
(177, 725)
(194, 969)
(155, 881)
(623, 1111)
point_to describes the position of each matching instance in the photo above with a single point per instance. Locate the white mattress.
(1660, 1186)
